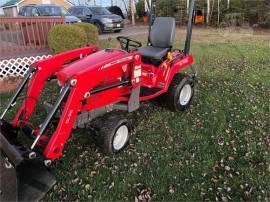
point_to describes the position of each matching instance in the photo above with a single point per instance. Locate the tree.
(218, 11)
(208, 12)
(140, 8)
(132, 11)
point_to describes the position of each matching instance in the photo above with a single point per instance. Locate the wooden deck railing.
(25, 33)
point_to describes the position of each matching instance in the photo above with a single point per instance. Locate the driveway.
(128, 31)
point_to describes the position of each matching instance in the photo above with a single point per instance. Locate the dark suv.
(32, 10)
(99, 16)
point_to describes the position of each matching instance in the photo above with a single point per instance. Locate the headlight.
(109, 25)
(79, 21)
(106, 20)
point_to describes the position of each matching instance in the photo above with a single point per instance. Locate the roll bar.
(152, 17)
(189, 26)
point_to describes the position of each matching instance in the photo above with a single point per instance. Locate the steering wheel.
(128, 43)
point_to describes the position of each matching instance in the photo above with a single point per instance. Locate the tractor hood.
(93, 63)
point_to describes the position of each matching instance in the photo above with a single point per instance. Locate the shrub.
(66, 37)
(91, 32)
(140, 8)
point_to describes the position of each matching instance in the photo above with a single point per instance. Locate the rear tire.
(112, 132)
(180, 93)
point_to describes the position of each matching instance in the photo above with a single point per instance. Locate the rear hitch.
(21, 179)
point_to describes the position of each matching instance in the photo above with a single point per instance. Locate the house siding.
(57, 2)
(13, 11)
(9, 12)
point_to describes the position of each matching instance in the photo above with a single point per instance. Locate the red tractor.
(97, 88)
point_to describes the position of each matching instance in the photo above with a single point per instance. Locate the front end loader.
(97, 88)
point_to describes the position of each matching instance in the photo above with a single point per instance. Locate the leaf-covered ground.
(219, 149)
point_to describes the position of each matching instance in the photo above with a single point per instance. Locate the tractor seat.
(154, 53)
(161, 40)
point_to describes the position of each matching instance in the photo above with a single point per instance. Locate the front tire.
(112, 134)
(180, 93)
(99, 29)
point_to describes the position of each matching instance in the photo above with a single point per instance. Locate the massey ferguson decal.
(116, 62)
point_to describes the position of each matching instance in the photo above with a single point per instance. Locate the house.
(2, 2)
(11, 7)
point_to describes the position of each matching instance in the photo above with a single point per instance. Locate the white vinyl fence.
(17, 67)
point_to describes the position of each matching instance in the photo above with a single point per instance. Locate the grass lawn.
(219, 149)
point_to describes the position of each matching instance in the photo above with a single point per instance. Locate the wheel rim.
(120, 137)
(185, 94)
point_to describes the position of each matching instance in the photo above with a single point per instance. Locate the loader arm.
(45, 69)
(84, 95)
(56, 144)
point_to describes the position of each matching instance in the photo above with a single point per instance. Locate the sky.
(3, 2)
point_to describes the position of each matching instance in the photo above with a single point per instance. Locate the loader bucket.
(20, 179)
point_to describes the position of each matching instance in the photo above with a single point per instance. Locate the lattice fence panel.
(18, 67)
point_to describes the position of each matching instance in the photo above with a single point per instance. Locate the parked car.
(104, 20)
(47, 10)
(116, 10)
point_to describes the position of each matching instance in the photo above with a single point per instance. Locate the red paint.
(91, 70)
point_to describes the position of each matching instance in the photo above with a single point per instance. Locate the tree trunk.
(132, 10)
(218, 11)
(208, 12)
(212, 9)
(187, 6)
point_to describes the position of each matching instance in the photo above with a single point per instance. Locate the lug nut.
(47, 163)
(32, 155)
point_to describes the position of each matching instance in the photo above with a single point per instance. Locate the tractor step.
(148, 91)
(20, 179)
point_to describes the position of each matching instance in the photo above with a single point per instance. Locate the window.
(53, 11)
(28, 11)
(78, 11)
(70, 10)
(35, 12)
(100, 11)
(86, 11)
(22, 10)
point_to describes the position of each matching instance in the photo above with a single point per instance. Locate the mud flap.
(20, 179)
(134, 100)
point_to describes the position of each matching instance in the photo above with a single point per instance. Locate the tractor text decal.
(69, 116)
(116, 62)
